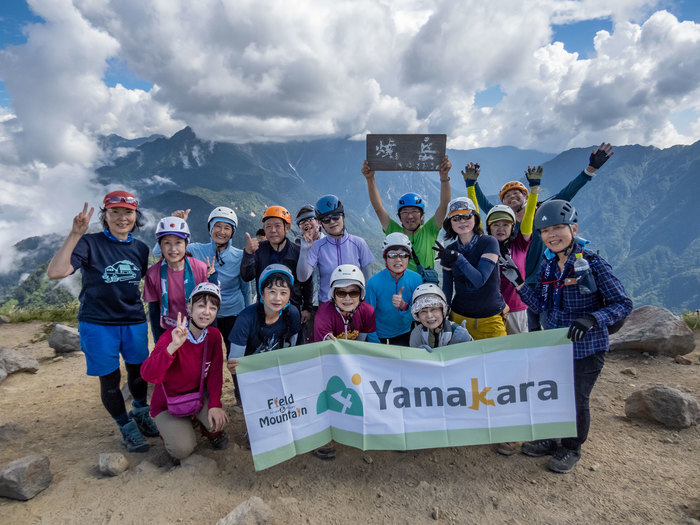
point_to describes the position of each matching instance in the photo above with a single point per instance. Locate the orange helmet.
(278, 212)
(513, 185)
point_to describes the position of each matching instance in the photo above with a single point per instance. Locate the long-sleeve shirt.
(328, 253)
(562, 303)
(381, 288)
(534, 252)
(253, 264)
(180, 372)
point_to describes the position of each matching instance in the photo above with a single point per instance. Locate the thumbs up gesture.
(397, 299)
(251, 244)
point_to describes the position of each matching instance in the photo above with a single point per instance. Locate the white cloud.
(244, 70)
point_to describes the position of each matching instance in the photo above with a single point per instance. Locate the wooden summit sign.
(405, 152)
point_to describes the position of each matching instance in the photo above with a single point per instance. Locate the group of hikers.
(525, 268)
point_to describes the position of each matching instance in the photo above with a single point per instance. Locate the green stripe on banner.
(415, 440)
(297, 354)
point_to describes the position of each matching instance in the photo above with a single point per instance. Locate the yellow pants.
(483, 328)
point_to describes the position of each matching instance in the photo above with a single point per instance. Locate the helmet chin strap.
(567, 251)
(191, 320)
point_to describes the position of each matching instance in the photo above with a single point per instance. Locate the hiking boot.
(564, 460)
(507, 449)
(219, 440)
(132, 438)
(325, 453)
(143, 419)
(539, 448)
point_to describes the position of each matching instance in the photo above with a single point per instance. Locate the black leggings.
(111, 395)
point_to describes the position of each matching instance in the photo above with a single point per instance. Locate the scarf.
(189, 284)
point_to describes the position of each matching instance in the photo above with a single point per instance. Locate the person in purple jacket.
(336, 248)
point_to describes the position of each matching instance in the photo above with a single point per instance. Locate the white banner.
(370, 396)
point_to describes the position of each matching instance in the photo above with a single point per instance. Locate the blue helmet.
(269, 270)
(411, 199)
(328, 205)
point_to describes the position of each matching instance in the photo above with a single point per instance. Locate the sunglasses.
(342, 294)
(400, 255)
(304, 221)
(334, 217)
(459, 218)
(116, 199)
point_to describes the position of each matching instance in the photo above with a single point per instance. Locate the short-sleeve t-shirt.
(177, 302)
(422, 240)
(248, 337)
(111, 273)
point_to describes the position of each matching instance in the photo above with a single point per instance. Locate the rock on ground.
(253, 511)
(654, 329)
(112, 463)
(201, 465)
(12, 362)
(24, 478)
(665, 405)
(64, 339)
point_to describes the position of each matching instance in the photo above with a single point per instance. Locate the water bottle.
(584, 276)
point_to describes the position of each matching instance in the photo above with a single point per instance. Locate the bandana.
(428, 301)
(191, 338)
(111, 237)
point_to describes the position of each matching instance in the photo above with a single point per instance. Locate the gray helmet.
(555, 212)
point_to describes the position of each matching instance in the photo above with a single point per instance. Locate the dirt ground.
(630, 472)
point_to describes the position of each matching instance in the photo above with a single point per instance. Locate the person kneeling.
(186, 367)
(434, 329)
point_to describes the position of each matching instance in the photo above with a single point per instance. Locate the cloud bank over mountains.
(245, 71)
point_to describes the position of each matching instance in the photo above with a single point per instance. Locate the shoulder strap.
(415, 259)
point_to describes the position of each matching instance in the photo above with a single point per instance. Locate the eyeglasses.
(118, 198)
(342, 294)
(409, 212)
(400, 255)
(304, 221)
(334, 217)
(459, 218)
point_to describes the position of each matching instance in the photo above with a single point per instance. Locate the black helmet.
(555, 212)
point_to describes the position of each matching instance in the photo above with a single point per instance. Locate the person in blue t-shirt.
(111, 319)
(390, 291)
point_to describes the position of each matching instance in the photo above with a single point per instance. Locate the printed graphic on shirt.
(339, 398)
(122, 271)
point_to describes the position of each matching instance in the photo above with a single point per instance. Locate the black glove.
(510, 271)
(598, 158)
(580, 327)
(534, 175)
(470, 174)
(447, 257)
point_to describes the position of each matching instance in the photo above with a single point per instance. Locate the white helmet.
(173, 226)
(396, 239)
(502, 210)
(347, 275)
(205, 288)
(460, 206)
(428, 295)
(224, 214)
